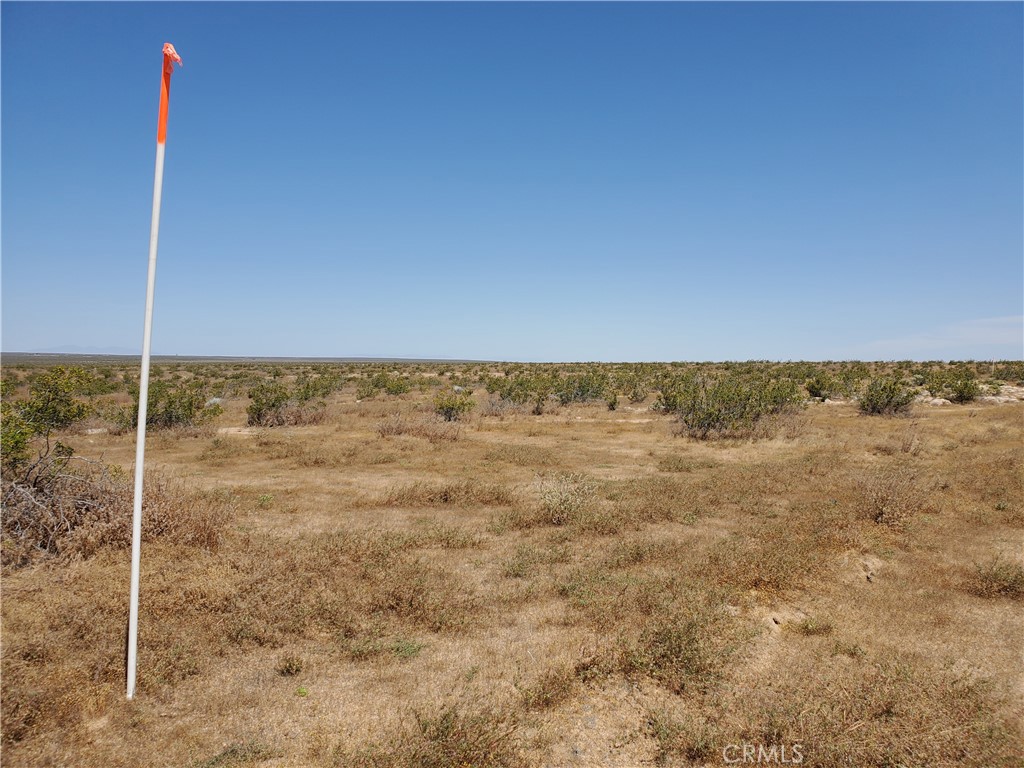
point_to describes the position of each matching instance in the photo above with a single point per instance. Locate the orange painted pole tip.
(171, 57)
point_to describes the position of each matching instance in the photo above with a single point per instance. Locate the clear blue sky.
(519, 181)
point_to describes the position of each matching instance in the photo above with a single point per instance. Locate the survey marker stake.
(171, 58)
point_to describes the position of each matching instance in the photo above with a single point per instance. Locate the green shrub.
(583, 388)
(821, 386)
(9, 382)
(637, 392)
(101, 382)
(15, 434)
(964, 390)
(730, 406)
(850, 377)
(958, 383)
(269, 399)
(520, 388)
(365, 390)
(310, 387)
(452, 404)
(886, 396)
(391, 384)
(52, 404)
(1011, 371)
(171, 406)
(274, 405)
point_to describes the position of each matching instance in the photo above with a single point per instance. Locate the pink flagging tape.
(171, 57)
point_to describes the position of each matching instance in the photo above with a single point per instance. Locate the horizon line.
(462, 361)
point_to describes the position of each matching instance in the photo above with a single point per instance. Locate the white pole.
(140, 443)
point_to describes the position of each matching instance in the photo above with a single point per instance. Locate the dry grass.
(998, 578)
(891, 709)
(76, 510)
(433, 429)
(453, 494)
(896, 710)
(456, 734)
(521, 455)
(892, 495)
(573, 588)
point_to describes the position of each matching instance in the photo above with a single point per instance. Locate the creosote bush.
(822, 386)
(170, 405)
(582, 388)
(730, 406)
(15, 436)
(51, 407)
(886, 396)
(390, 383)
(274, 405)
(964, 390)
(52, 404)
(452, 405)
(957, 383)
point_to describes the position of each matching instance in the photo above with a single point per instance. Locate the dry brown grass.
(433, 429)
(451, 494)
(892, 495)
(894, 710)
(74, 510)
(455, 734)
(998, 578)
(573, 588)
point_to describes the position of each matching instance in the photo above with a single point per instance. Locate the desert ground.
(362, 582)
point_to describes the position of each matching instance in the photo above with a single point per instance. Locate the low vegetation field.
(478, 565)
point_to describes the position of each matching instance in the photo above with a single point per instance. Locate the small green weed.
(287, 666)
(812, 626)
(238, 754)
(405, 649)
(998, 578)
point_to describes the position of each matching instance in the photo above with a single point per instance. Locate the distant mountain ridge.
(70, 354)
(74, 349)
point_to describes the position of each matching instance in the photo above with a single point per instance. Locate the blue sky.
(577, 181)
